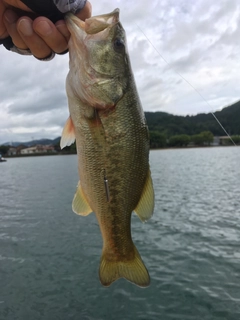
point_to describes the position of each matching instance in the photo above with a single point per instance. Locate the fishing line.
(188, 84)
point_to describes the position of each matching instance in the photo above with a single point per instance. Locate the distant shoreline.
(194, 147)
(72, 153)
(38, 155)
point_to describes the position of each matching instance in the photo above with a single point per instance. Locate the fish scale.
(112, 142)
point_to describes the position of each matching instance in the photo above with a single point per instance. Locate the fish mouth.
(94, 24)
(93, 80)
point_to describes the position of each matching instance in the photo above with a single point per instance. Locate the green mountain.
(171, 125)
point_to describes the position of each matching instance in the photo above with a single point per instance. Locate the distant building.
(216, 141)
(49, 148)
(20, 147)
(30, 150)
(224, 141)
(38, 149)
(12, 151)
(221, 141)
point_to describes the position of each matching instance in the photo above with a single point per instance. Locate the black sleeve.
(54, 9)
(44, 8)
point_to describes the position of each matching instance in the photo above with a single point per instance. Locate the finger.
(86, 12)
(62, 28)
(10, 20)
(83, 15)
(3, 30)
(50, 34)
(35, 43)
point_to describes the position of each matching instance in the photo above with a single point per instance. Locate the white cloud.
(198, 39)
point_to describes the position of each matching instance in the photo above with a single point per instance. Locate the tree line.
(157, 140)
(171, 125)
(205, 138)
(168, 130)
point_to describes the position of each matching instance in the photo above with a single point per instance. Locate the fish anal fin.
(68, 134)
(132, 270)
(145, 206)
(80, 204)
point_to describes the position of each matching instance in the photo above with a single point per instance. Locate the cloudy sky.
(196, 40)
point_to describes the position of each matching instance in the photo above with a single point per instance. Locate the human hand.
(35, 33)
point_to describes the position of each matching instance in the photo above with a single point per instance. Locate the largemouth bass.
(112, 140)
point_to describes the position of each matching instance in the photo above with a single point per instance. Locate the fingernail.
(43, 28)
(10, 16)
(25, 27)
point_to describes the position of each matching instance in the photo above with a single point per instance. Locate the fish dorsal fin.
(68, 134)
(80, 204)
(145, 206)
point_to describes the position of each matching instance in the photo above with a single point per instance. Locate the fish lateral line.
(105, 179)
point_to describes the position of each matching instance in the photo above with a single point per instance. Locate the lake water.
(49, 256)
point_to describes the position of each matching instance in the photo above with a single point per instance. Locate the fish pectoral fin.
(80, 204)
(68, 134)
(132, 270)
(145, 206)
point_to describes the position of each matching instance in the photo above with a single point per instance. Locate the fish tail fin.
(132, 270)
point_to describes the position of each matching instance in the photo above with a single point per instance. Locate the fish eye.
(119, 45)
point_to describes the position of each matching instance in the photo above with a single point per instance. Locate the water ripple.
(49, 257)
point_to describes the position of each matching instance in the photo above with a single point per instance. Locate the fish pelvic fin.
(145, 206)
(80, 204)
(68, 134)
(132, 270)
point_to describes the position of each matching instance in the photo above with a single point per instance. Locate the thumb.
(86, 11)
